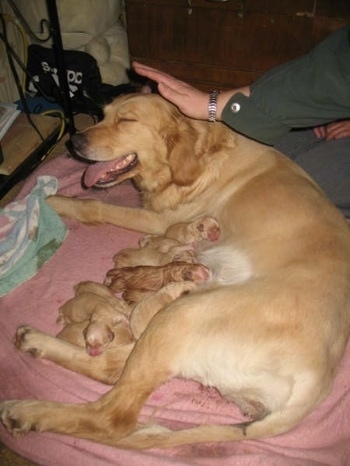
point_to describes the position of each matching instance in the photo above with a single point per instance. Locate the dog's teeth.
(126, 160)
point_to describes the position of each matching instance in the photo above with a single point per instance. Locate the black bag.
(87, 92)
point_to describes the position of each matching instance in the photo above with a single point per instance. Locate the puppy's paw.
(115, 280)
(28, 339)
(184, 254)
(145, 240)
(108, 280)
(197, 273)
(175, 289)
(61, 318)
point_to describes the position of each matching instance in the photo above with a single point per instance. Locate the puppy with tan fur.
(93, 317)
(176, 244)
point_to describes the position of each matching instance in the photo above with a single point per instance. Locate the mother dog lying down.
(269, 328)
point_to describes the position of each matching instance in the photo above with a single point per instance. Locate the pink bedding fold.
(86, 254)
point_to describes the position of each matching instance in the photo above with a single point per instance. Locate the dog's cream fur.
(269, 329)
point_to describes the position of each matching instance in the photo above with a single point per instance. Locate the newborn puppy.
(153, 278)
(93, 318)
(204, 228)
(176, 245)
(168, 251)
(100, 335)
(89, 298)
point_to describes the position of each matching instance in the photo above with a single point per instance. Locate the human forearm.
(190, 101)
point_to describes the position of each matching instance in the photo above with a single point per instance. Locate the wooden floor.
(8, 457)
(22, 139)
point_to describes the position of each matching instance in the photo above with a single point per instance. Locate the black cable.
(26, 26)
(25, 70)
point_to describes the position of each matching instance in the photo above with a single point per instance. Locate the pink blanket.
(322, 439)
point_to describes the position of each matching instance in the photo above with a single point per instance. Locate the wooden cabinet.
(224, 44)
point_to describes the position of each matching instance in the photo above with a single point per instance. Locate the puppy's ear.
(184, 165)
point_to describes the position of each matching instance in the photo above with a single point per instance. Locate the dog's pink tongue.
(97, 172)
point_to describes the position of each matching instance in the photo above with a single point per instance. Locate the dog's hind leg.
(111, 417)
(275, 423)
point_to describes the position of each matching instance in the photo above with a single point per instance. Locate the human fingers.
(156, 75)
(320, 132)
(338, 130)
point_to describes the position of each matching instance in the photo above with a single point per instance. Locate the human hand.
(336, 130)
(189, 100)
(320, 132)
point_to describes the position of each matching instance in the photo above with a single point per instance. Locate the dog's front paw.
(27, 339)
(12, 416)
(61, 318)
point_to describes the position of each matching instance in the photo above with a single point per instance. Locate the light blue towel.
(30, 234)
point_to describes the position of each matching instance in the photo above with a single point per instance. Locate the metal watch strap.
(212, 105)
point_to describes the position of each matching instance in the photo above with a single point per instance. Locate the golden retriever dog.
(268, 329)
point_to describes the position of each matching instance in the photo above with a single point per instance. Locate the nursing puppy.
(269, 328)
(176, 244)
(153, 278)
(94, 318)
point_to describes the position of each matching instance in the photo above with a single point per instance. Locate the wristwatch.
(212, 105)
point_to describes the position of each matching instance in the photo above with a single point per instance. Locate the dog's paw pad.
(11, 420)
(23, 340)
(21, 335)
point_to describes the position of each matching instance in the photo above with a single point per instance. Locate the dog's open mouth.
(103, 174)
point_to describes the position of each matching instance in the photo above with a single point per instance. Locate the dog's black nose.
(79, 143)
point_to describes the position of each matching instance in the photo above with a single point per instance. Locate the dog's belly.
(240, 373)
(227, 264)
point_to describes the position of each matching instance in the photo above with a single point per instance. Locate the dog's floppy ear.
(184, 165)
